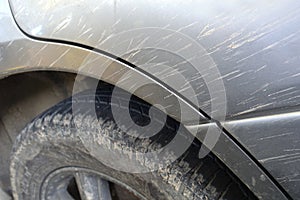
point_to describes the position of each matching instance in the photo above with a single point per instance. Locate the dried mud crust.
(58, 137)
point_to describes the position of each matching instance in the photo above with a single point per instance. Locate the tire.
(54, 140)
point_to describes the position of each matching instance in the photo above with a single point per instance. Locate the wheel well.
(24, 96)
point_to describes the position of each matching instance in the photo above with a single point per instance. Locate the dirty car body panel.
(254, 46)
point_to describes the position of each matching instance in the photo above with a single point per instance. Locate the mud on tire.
(55, 139)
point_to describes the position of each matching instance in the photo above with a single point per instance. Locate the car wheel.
(51, 160)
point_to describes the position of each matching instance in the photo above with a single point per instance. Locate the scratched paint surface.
(255, 45)
(274, 140)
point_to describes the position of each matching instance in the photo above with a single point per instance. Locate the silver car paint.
(21, 54)
(255, 45)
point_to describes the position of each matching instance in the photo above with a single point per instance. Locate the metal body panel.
(274, 140)
(255, 46)
(24, 54)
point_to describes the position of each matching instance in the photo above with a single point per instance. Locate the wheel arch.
(227, 150)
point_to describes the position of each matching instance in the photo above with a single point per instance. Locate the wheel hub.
(83, 184)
